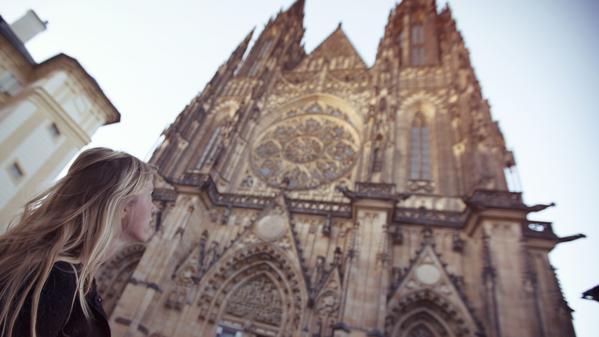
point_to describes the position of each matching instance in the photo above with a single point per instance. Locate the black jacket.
(55, 317)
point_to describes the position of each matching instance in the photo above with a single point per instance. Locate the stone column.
(363, 312)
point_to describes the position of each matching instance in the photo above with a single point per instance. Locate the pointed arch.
(421, 109)
(326, 312)
(280, 306)
(327, 300)
(115, 274)
(419, 148)
(258, 298)
(428, 294)
(425, 307)
(423, 325)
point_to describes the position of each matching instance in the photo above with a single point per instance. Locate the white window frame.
(9, 84)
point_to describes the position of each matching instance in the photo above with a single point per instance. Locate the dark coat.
(55, 317)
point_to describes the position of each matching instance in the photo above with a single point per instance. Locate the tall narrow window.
(417, 55)
(417, 34)
(417, 45)
(419, 149)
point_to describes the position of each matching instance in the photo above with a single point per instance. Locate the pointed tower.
(308, 194)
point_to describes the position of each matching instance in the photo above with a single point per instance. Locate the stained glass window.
(419, 149)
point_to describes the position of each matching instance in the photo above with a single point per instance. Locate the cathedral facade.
(311, 195)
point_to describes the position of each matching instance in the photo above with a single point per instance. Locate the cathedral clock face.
(306, 151)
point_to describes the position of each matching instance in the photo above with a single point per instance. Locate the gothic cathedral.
(313, 195)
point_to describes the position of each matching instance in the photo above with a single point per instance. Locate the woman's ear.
(124, 215)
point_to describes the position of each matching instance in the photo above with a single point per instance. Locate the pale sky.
(536, 61)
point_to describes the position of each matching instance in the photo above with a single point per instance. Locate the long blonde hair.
(74, 221)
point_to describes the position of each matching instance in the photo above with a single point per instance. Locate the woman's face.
(137, 216)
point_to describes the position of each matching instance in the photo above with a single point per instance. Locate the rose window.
(303, 149)
(303, 152)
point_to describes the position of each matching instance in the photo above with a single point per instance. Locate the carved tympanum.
(258, 300)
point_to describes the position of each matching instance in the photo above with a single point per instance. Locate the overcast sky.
(536, 61)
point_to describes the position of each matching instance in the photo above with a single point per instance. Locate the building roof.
(6, 31)
(115, 115)
(14, 40)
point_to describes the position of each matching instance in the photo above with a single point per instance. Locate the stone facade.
(311, 195)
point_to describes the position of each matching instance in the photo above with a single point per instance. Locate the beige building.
(48, 112)
(312, 195)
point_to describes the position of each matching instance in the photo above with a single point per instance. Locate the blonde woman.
(49, 258)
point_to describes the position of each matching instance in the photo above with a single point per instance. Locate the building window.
(400, 39)
(54, 131)
(417, 55)
(417, 45)
(9, 84)
(417, 36)
(16, 172)
(419, 149)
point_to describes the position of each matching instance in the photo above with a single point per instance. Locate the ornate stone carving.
(114, 275)
(258, 299)
(420, 331)
(426, 186)
(458, 242)
(305, 151)
(247, 182)
(247, 263)
(189, 273)
(326, 311)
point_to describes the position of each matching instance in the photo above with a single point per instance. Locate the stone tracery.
(305, 151)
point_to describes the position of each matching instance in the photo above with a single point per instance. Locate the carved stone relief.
(114, 275)
(258, 299)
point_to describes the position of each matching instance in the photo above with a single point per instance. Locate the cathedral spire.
(291, 16)
(237, 55)
(240, 50)
(280, 41)
(297, 9)
(229, 68)
(411, 34)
